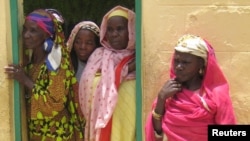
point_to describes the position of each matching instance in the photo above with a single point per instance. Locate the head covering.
(89, 25)
(197, 46)
(193, 45)
(118, 12)
(43, 20)
(49, 24)
(131, 26)
(107, 59)
(211, 104)
(56, 14)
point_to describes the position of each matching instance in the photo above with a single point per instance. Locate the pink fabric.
(76, 30)
(98, 106)
(186, 118)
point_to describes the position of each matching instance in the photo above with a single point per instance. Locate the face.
(186, 66)
(84, 44)
(117, 32)
(33, 36)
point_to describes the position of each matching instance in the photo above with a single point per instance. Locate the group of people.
(72, 85)
(84, 88)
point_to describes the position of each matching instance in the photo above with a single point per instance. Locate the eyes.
(118, 29)
(78, 42)
(182, 62)
(31, 30)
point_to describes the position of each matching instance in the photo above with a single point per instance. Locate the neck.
(38, 56)
(193, 84)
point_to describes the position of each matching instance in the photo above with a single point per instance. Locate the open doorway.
(75, 11)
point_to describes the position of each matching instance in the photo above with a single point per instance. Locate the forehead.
(30, 23)
(182, 55)
(117, 20)
(85, 32)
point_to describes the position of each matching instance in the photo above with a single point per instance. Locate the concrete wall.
(7, 128)
(224, 23)
(6, 115)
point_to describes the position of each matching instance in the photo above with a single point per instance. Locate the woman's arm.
(170, 88)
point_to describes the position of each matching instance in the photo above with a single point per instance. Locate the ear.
(201, 63)
(47, 35)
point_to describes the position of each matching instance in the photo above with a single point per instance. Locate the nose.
(179, 67)
(83, 46)
(114, 33)
(26, 34)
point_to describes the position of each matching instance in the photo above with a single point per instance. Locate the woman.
(48, 80)
(83, 40)
(108, 81)
(196, 95)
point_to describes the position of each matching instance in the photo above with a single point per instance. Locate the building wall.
(7, 116)
(224, 23)
(5, 87)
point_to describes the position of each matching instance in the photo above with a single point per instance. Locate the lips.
(114, 42)
(82, 54)
(27, 43)
(178, 75)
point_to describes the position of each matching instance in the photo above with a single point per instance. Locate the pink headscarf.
(89, 25)
(187, 117)
(98, 106)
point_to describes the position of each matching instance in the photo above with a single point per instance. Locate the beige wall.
(225, 24)
(6, 86)
(6, 117)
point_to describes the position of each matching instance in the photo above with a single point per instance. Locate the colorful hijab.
(105, 59)
(49, 24)
(56, 14)
(188, 115)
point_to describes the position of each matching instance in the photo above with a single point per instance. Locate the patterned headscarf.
(89, 25)
(131, 26)
(193, 45)
(43, 21)
(56, 14)
(48, 23)
(104, 98)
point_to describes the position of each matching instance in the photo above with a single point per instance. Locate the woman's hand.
(14, 72)
(131, 66)
(17, 72)
(170, 88)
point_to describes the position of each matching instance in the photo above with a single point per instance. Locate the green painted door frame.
(15, 54)
(139, 128)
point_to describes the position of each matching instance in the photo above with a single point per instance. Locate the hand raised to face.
(169, 89)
